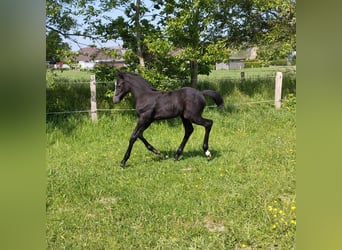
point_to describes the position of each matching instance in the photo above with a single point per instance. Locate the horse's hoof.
(208, 154)
(122, 164)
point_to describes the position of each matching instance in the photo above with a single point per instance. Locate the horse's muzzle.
(116, 99)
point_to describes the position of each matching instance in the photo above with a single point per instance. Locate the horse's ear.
(121, 74)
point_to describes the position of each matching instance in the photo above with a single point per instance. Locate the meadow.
(242, 198)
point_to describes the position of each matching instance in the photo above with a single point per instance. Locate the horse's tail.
(216, 96)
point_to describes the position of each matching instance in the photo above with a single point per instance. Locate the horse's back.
(186, 101)
(194, 102)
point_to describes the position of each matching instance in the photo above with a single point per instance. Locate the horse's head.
(121, 88)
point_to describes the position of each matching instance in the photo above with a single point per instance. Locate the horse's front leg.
(129, 149)
(135, 135)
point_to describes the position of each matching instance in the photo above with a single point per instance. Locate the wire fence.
(242, 78)
(203, 78)
(132, 109)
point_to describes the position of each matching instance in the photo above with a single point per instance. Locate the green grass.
(228, 202)
(76, 75)
(70, 75)
(249, 73)
(242, 198)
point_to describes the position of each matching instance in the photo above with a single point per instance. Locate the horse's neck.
(141, 91)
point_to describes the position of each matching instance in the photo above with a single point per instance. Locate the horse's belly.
(167, 110)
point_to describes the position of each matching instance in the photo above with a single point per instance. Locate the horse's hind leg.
(207, 123)
(148, 145)
(188, 131)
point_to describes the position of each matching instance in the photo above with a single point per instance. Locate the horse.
(151, 105)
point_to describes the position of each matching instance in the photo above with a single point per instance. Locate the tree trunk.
(194, 73)
(138, 34)
(141, 59)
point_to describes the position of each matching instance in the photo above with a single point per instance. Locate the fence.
(94, 110)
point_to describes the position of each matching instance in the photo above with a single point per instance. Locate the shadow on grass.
(186, 155)
(168, 155)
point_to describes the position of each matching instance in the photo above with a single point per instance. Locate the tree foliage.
(187, 25)
(268, 24)
(55, 46)
(181, 38)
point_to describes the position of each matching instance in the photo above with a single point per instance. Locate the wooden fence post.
(93, 108)
(278, 86)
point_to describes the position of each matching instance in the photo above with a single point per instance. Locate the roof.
(248, 54)
(95, 54)
(176, 52)
(236, 58)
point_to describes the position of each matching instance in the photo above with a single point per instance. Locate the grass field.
(70, 75)
(249, 73)
(74, 75)
(242, 198)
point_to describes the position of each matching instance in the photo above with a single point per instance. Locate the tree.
(280, 39)
(268, 24)
(202, 32)
(55, 47)
(208, 30)
(73, 18)
(187, 24)
(59, 16)
(131, 29)
(135, 28)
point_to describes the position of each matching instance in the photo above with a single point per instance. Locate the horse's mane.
(135, 78)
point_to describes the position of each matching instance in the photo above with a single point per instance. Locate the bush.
(289, 84)
(255, 64)
(105, 72)
(279, 62)
(290, 102)
(61, 97)
(293, 61)
(161, 81)
(67, 97)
